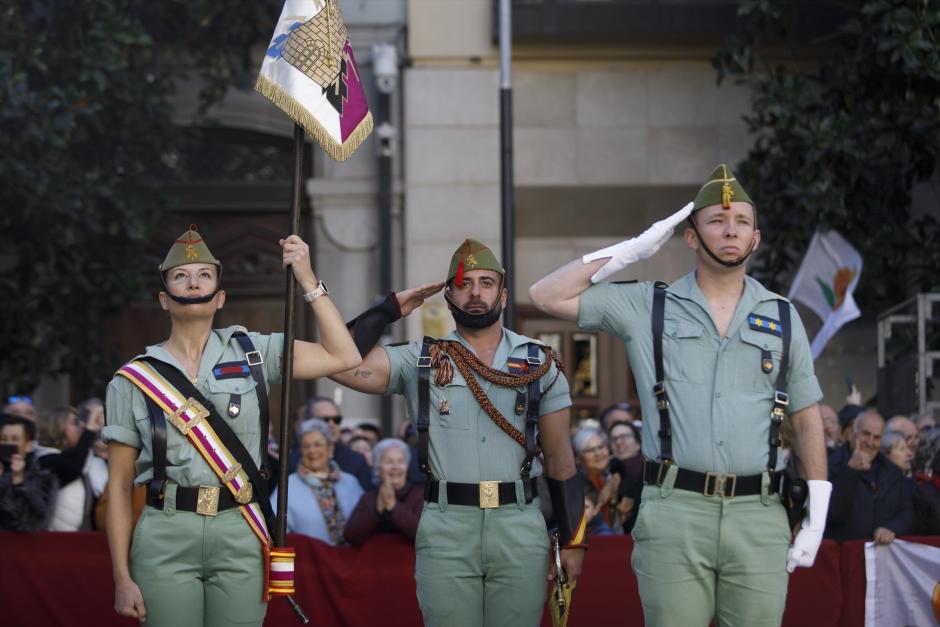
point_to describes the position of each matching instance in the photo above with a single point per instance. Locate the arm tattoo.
(365, 374)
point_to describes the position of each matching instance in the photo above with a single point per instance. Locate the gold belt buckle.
(720, 485)
(489, 494)
(207, 501)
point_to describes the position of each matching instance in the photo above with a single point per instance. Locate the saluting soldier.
(719, 361)
(188, 419)
(483, 400)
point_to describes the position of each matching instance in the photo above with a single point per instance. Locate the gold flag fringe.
(297, 112)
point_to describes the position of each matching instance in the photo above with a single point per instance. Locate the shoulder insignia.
(623, 282)
(239, 329)
(764, 324)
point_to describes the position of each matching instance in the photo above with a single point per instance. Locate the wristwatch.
(321, 290)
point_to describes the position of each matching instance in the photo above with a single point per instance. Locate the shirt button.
(717, 394)
(483, 439)
(720, 442)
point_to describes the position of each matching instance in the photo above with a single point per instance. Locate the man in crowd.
(831, 428)
(618, 412)
(869, 499)
(27, 491)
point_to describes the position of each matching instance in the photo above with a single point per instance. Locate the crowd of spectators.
(51, 478)
(346, 482)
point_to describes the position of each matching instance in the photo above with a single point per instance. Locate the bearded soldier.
(719, 361)
(483, 401)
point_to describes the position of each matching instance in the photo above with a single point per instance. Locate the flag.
(903, 584)
(310, 73)
(825, 283)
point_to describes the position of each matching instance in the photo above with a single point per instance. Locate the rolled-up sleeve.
(120, 424)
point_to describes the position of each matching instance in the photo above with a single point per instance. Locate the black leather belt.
(205, 500)
(708, 483)
(486, 494)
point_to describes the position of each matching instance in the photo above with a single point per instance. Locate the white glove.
(640, 247)
(806, 545)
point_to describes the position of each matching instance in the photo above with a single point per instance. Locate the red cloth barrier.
(65, 579)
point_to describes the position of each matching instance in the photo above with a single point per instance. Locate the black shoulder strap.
(424, 404)
(532, 414)
(255, 363)
(781, 398)
(659, 387)
(158, 443)
(228, 438)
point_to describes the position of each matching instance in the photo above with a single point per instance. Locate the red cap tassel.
(458, 278)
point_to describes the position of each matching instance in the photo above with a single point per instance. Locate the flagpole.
(287, 367)
(505, 153)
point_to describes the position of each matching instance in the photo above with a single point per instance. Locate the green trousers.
(197, 571)
(698, 557)
(481, 567)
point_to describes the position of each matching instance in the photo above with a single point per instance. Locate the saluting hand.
(412, 298)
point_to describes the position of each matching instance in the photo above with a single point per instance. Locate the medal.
(234, 405)
(443, 408)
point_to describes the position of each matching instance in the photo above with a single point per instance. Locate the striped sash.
(189, 416)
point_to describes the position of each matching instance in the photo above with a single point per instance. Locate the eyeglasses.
(19, 399)
(594, 449)
(334, 419)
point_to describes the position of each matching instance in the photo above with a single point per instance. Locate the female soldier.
(195, 558)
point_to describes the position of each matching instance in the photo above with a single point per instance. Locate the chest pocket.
(685, 352)
(221, 393)
(452, 403)
(755, 349)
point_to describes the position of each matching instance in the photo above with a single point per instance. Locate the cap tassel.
(726, 194)
(458, 278)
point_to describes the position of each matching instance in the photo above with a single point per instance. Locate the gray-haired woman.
(395, 505)
(320, 496)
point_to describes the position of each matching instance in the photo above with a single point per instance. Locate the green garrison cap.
(721, 188)
(472, 255)
(188, 248)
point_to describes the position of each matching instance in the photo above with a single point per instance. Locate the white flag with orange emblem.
(902, 584)
(825, 283)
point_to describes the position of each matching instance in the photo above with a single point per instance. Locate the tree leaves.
(841, 142)
(85, 120)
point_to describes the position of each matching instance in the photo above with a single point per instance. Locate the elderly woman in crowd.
(894, 447)
(393, 507)
(590, 448)
(320, 496)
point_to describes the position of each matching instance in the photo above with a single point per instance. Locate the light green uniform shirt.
(128, 420)
(466, 446)
(720, 396)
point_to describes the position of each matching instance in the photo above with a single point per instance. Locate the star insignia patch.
(765, 324)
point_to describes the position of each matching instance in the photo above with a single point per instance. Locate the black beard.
(474, 321)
